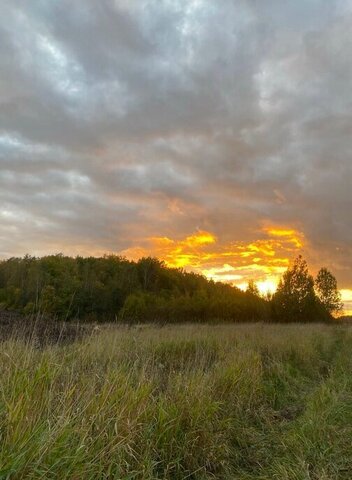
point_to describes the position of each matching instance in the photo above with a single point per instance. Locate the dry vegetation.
(179, 402)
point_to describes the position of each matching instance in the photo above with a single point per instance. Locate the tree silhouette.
(327, 292)
(295, 299)
(252, 288)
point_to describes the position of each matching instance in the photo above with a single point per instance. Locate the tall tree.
(327, 291)
(295, 298)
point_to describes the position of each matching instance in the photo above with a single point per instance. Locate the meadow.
(248, 401)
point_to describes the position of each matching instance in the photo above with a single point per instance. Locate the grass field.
(181, 402)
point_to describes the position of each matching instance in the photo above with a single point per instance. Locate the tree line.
(112, 288)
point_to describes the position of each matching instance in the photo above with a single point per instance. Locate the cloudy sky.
(213, 134)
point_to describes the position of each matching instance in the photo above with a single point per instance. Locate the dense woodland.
(112, 288)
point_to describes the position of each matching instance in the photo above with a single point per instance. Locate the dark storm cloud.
(125, 119)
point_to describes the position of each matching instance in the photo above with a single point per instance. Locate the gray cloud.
(122, 119)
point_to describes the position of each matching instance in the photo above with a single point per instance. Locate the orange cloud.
(263, 260)
(295, 237)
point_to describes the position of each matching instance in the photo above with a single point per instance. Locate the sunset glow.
(263, 260)
(346, 296)
(213, 136)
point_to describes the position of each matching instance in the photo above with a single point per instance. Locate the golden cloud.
(263, 260)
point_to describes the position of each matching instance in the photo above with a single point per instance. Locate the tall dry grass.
(180, 402)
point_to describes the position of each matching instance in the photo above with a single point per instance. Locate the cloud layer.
(122, 121)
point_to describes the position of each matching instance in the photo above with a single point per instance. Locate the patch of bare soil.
(39, 329)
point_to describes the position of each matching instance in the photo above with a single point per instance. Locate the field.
(179, 402)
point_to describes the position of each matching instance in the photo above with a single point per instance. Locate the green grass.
(181, 402)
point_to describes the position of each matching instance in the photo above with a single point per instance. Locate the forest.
(112, 288)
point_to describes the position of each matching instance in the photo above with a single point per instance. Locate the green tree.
(49, 299)
(327, 291)
(295, 299)
(112, 287)
(148, 272)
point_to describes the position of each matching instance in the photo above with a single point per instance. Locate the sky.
(215, 135)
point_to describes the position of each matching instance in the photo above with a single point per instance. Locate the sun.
(267, 286)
